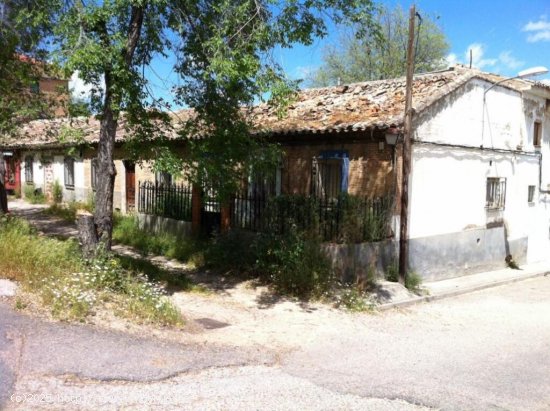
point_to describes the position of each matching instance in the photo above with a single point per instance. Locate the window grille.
(69, 173)
(496, 193)
(29, 170)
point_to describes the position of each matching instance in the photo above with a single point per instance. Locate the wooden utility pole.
(406, 170)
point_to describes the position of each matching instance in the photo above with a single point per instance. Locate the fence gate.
(211, 217)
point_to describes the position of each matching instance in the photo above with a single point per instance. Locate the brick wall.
(371, 172)
(56, 92)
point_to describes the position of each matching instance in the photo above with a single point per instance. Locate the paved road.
(52, 366)
(487, 350)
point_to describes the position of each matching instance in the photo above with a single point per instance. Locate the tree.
(223, 48)
(19, 50)
(382, 55)
(20, 63)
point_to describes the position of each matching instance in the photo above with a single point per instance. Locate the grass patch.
(392, 272)
(170, 279)
(353, 299)
(126, 231)
(413, 282)
(73, 288)
(293, 263)
(34, 195)
(68, 211)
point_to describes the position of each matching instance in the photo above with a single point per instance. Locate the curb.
(458, 291)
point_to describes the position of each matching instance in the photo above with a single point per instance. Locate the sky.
(505, 36)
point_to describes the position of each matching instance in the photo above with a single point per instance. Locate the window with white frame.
(330, 174)
(69, 173)
(496, 193)
(29, 178)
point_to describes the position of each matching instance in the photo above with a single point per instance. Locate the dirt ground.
(238, 313)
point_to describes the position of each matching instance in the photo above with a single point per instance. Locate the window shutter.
(345, 173)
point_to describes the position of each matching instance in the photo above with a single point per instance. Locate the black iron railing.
(343, 219)
(165, 200)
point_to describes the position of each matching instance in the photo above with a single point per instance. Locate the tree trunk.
(103, 216)
(87, 233)
(101, 234)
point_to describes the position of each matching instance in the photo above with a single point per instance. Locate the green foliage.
(68, 211)
(224, 65)
(383, 55)
(392, 272)
(349, 219)
(413, 282)
(73, 288)
(127, 231)
(78, 108)
(34, 195)
(57, 191)
(353, 299)
(292, 263)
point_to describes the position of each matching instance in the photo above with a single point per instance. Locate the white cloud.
(452, 59)
(538, 30)
(505, 59)
(510, 61)
(79, 89)
(478, 53)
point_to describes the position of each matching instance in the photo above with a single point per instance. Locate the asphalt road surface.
(486, 350)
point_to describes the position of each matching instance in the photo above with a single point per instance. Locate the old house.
(52, 94)
(480, 166)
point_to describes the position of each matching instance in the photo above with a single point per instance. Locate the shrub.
(126, 230)
(34, 195)
(413, 281)
(71, 287)
(292, 263)
(353, 299)
(57, 191)
(392, 272)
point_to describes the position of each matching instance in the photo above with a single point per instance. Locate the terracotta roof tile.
(354, 107)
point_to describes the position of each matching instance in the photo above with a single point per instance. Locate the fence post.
(196, 202)
(225, 211)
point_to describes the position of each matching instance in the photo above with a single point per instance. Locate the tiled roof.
(359, 106)
(354, 107)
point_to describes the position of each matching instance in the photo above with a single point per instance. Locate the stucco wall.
(451, 231)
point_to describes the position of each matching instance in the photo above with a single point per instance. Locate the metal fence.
(343, 219)
(165, 200)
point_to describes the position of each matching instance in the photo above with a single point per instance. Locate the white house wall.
(456, 149)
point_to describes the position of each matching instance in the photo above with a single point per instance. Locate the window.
(330, 174)
(496, 193)
(537, 134)
(69, 173)
(94, 171)
(531, 194)
(162, 177)
(29, 170)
